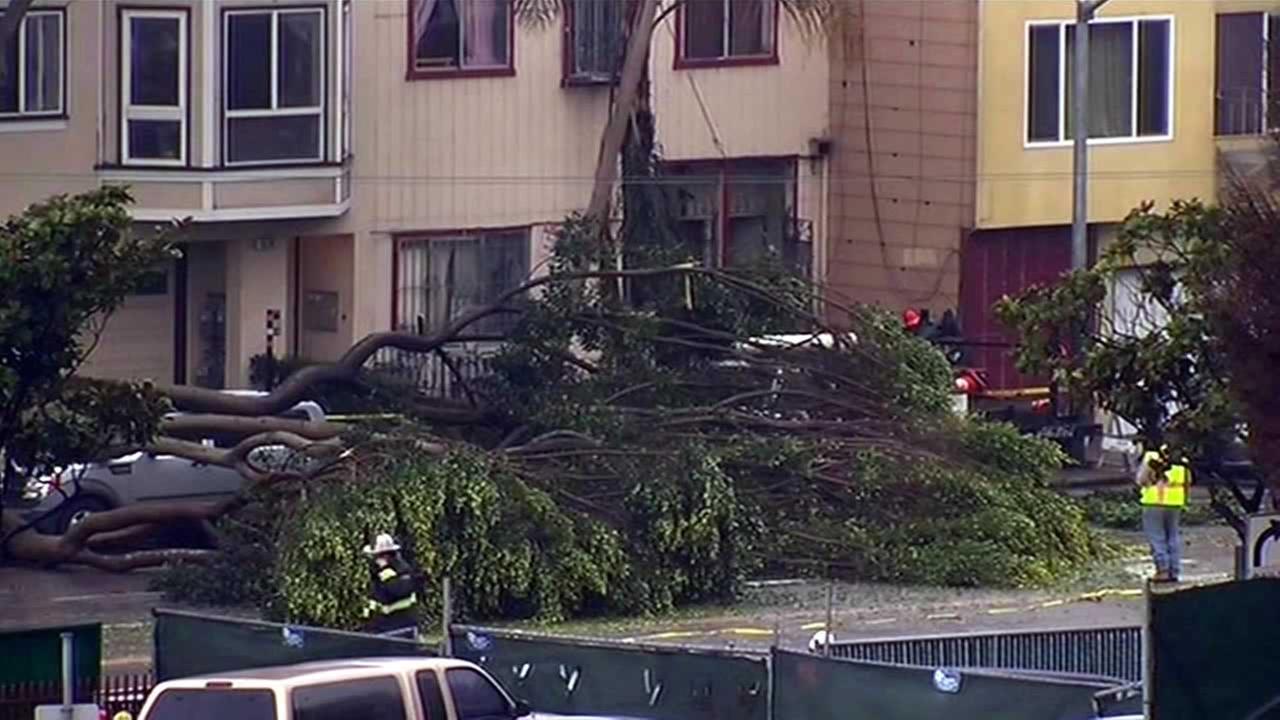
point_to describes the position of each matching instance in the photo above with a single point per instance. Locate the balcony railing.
(1247, 111)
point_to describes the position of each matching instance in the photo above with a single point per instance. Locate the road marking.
(1053, 603)
(674, 634)
(1003, 611)
(747, 631)
(942, 616)
(881, 621)
(813, 626)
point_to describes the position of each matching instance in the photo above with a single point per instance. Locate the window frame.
(21, 115)
(320, 111)
(569, 76)
(413, 72)
(155, 112)
(401, 239)
(1062, 25)
(723, 172)
(1268, 121)
(773, 57)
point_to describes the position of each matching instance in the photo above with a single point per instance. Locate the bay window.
(727, 32)
(453, 37)
(34, 85)
(154, 87)
(273, 93)
(1130, 80)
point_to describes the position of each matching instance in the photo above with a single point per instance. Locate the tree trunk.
(615, 131)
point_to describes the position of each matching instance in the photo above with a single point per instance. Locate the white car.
(143, 477)
(414, 688)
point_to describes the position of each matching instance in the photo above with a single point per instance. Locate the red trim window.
(595, 41)
(442, 276)
(740, 212)
(727, 32)
(460, 38)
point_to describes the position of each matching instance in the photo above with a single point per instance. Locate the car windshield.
(206, 704)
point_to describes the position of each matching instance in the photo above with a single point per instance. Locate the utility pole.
(1085, 10)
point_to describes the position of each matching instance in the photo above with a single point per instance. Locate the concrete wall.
(326, 266)
(904, 118)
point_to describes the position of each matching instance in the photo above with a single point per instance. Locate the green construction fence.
(188, 644)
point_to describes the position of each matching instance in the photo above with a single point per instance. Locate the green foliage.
(1199, 357)
(65, 265)
(658, 448)
(989, 522)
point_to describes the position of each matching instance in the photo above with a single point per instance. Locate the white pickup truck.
(363, 689)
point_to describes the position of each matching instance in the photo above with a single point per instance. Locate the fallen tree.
(642, 438)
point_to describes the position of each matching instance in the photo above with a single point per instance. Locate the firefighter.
(393, 604)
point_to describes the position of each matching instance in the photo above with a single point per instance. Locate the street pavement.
(33, 597)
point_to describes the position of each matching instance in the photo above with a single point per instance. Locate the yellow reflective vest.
(1169, 492)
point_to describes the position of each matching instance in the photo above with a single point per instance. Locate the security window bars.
(442, 277)
(597, 40)
(1248, 74)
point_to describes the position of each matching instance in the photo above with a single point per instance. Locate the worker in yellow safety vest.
(1164, 494)
(393, 608)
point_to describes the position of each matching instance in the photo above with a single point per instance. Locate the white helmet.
(384, 543)
(819, 640)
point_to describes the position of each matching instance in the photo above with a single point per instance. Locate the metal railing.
(1114, 652)
(438, 374)
(112, 693)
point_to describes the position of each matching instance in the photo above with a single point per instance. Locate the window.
(475, 697)
(432, 699)
(596, 41)
(33, 84)
(459, 36)
(367, 699)
(1248, 82)
(274, 86)
(1130, 80)
(740, 213)
(441, 278)
(727, 31)
(153, 124)
(206, 704)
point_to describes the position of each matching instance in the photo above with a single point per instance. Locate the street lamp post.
(1085, 10)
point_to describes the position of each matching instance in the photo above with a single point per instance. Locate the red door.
(996, 263)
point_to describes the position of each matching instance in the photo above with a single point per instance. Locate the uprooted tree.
(644, 437)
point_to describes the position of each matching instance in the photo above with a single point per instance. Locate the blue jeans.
(1161, 526)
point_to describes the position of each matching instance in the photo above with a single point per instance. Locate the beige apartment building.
(351, 166)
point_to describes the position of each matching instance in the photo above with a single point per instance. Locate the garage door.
(996, 263)
(138, 340)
